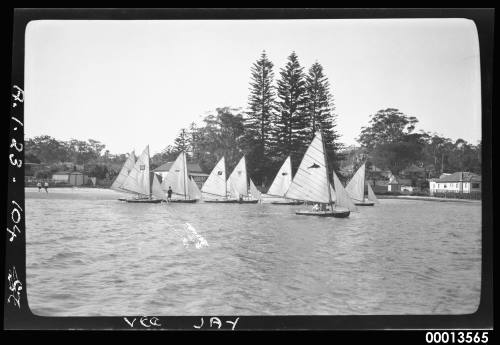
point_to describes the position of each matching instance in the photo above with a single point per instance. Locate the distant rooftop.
(193, 168)
(460, 176)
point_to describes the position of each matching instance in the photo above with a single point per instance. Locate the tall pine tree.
(182, 142)
(259, 117)
(320, 109)
(291, 119)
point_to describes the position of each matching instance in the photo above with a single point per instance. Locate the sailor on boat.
(169, 193)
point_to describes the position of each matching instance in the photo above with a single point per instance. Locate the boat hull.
(221, 201)
(144, 201)
(364, 203)
(334, 213)
(186, 201)
(287, 202)
(232, 201)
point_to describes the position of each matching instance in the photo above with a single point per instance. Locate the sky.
(130, 84)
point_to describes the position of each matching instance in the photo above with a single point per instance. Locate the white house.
(459, 182)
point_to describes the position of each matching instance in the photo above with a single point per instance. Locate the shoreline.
(426, 198)
(403, 197)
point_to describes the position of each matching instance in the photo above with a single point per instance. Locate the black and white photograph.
(264, 167)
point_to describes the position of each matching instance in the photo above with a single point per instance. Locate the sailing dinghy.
(214, 189)
(182, 185)
(241, 188)
(123, 174)
(280, 185)
(138, 181)
(311, 182)
(356, 189)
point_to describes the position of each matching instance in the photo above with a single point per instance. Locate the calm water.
(89, 254)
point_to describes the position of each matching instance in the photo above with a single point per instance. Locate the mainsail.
(343, 198)
(282, 180)
(371, 194)
(238, 181)
(311, 180)
(123, 174)
(356, 186)
(138, 179)
(216, 181)
(177, 177)
(254, 191)
(194, 191)
(156, 189)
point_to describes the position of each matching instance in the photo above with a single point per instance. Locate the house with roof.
(400, 184)
(194, 171)
(458, 182)
(74, 178)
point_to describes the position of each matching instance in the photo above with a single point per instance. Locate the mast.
(185, 173)
(149, 184)
(326, 169)
(225, 180)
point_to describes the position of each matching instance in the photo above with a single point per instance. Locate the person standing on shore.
(39, 185)
(46, 186)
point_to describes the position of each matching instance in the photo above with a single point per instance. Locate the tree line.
(390, 142)
(280, 119)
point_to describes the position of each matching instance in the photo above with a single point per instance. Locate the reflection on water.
(89, 254)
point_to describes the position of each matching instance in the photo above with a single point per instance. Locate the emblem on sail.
(312, 184)
(282, 181)
(216, 181)
(138, 180)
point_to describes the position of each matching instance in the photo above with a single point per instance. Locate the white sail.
(356, 186)
(332, 193)
(123, 174)
(371, 194)
(311, 182)
(231, 191)
(254, 191)
(238, 181)
(343, 198)
(138, 179)
(156, 189)
(216, 181)
(177, 177)
(282, 180)
(193, 190)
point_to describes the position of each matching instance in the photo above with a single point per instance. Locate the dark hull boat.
(247, 201)
(311, 184)
(334, 213)
(183, 201)
(364, 203)
(144, 201)
(222, 201)
(232, 201)
(295, 202)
